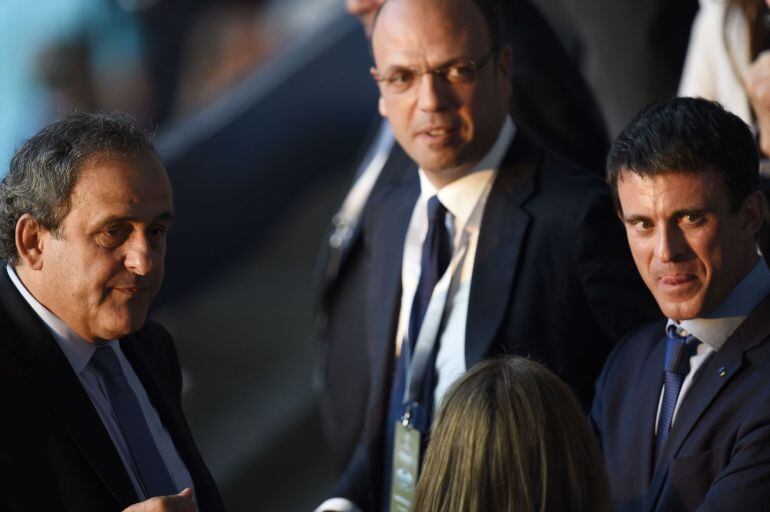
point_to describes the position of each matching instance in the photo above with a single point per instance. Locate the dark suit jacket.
(550, 264)
(55, 454)
(552, 102)
(717, 456)
(343, 365)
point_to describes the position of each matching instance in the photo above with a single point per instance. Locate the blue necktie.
(152, 470)
(436, 253)
(678, 353)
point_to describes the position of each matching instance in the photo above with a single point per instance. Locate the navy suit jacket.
(550, 263)
(717, 456)
(55, 454)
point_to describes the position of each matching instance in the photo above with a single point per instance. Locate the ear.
(504, 66)
(30, 236)
(505, 61)
(753, 212)
(382, 107)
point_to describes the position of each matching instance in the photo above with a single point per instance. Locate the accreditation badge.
(406, 463)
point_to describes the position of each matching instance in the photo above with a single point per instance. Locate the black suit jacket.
(550, 264)
(55, 454)
(551, 102)
(717, 456)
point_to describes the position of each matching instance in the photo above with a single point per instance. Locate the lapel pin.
(722, 371)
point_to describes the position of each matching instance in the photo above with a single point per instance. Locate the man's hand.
(756, 79)
(181, 502)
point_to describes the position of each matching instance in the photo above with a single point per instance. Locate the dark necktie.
(678, 353)
(436, 253)
(152, 471)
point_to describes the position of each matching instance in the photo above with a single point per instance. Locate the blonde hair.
(510, 436)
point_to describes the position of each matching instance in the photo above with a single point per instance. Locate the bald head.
(444, 85)
(370, 16)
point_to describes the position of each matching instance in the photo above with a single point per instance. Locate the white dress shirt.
(461, 198)
(78, 352)
(714, 329)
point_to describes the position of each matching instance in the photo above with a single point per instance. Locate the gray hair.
(45, 168)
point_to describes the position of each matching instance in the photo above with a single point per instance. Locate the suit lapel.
(499, 247)
(647, 399)
(385, 291)
(711, 379)
(53, 378)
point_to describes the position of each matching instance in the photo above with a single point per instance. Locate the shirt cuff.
(337, 505)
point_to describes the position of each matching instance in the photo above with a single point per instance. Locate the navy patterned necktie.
(678, 352)
(147, 459)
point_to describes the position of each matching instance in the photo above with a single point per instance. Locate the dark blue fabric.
(147, 459)
(435, 259)
(436, 253)
(679, 349)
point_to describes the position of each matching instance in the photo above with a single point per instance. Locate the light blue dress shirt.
(78, 352)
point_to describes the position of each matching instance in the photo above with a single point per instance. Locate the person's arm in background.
(697, 73)
(757, 82)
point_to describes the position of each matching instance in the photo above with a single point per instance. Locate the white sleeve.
(705, 37)
(337, 505)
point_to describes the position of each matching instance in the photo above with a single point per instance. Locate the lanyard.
(434, 315)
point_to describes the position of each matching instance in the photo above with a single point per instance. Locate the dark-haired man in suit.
(90, 389)
(682, 407)
(490, 245)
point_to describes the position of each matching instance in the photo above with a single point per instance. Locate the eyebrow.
(628, 219)
(167, 216)
(678, 213)
(448, 62)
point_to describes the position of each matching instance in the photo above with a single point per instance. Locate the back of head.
(687, 135)
(510, 436)
(45, 168)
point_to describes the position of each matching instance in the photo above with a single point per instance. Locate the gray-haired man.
(90, 390)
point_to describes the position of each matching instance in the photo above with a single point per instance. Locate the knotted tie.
(436, 253)
(678, 353)
(152, 470)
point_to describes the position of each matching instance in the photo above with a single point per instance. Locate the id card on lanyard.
(408, 438)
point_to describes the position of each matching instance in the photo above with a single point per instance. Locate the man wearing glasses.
(552, 104)
(491, 246)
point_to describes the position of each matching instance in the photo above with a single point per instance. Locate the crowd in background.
(508, 433)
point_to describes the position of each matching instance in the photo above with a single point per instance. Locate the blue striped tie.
(678, 353)
(149, 464)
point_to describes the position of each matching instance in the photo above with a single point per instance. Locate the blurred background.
(260, 110)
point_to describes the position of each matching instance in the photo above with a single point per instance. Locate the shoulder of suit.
(642, 340)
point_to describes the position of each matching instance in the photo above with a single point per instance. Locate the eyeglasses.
(461, 72)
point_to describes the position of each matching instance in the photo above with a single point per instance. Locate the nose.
(434, 94)
(671, 244)
(140, 257)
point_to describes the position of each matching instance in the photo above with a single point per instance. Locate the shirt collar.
(460, 196)
(714, 328)
(77, 350)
